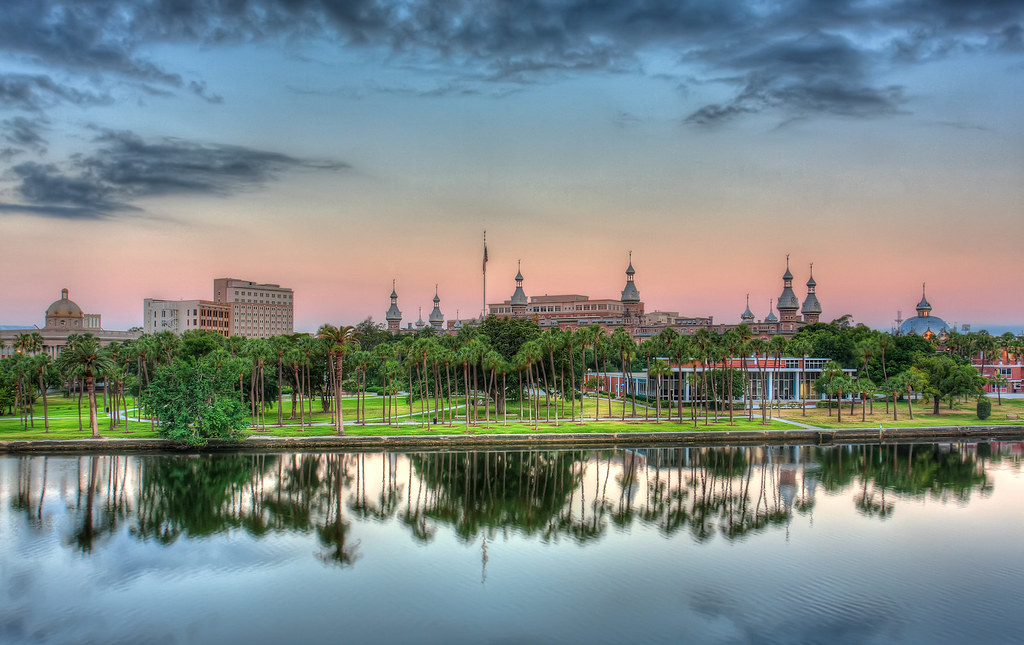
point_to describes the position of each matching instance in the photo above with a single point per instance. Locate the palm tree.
(801, 346)
(41, 364)
(596, 335)
(583, 336)
(914, 380)
(777, 345)
(760, 346)
(86, 356)
(491, 363)
(657, 370)
(339, 339)
(279, 345)
(681, 351)
(829, 383)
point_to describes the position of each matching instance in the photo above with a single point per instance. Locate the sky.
(331, 146)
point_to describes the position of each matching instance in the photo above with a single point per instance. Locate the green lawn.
(64, 420)
(961, 415)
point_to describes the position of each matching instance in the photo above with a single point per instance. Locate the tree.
(194, 402)
(658, 370)
(829, 383)
(338, 339)
(948, 380)
(801, 347)
(680, 350)
(85, 356)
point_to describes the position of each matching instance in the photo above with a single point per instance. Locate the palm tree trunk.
(46, 411)
(90, 386)
(448, 378)
(339, 421)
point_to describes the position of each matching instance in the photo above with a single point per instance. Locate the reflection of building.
(179, 316)
(924, 323)
(63, 318)
(257, 310)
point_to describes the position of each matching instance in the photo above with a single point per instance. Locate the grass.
(64, 421)
(962, 414)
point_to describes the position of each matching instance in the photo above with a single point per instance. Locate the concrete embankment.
(439, 441)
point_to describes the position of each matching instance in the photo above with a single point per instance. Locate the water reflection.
(726, 492)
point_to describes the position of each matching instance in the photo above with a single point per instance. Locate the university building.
(788, 379)
(257, 310)
(63, 318)
(573, 311)
(179, 316)
(239, 308)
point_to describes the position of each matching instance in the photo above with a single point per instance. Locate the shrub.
(984, 408)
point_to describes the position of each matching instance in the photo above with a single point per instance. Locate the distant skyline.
(149, 147)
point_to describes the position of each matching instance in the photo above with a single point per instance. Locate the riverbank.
(442, 441)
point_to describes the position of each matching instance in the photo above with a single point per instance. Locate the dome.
(811, 305)
(630, 293)
(771, 317)
(788, 300)
(924, 325)
(747, 315)
(63, 308)
(518, 298)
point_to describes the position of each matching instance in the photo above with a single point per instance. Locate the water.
(851, 544)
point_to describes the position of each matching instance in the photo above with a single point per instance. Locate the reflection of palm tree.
(334, 532)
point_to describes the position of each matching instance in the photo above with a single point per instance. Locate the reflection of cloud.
(127, 167)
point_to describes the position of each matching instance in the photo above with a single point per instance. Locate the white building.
(179, 316)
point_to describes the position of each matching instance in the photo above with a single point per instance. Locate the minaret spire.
(812, 308)
(394, 315)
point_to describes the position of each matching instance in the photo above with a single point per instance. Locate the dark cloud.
(125, 167)
(24, 132)
(526, 41)
(815, 73)
(36, 92)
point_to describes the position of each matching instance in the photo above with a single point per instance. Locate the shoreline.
(801, 436)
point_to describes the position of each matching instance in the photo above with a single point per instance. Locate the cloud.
(790, 55)
(36, 92)
(24, 132)
(126, 167)
(815, 73)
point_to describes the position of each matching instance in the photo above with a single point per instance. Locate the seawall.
(527, 441)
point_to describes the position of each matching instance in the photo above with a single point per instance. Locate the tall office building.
(257, 310)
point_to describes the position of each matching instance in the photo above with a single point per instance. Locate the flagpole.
(483, 312)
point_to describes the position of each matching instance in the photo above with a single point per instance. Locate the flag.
(485, 253)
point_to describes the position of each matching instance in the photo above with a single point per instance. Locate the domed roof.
(64, 308)
(630, 293)
(924, 325)
(519, 296)
(747, 315)
(811, 305)
(393, 313)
